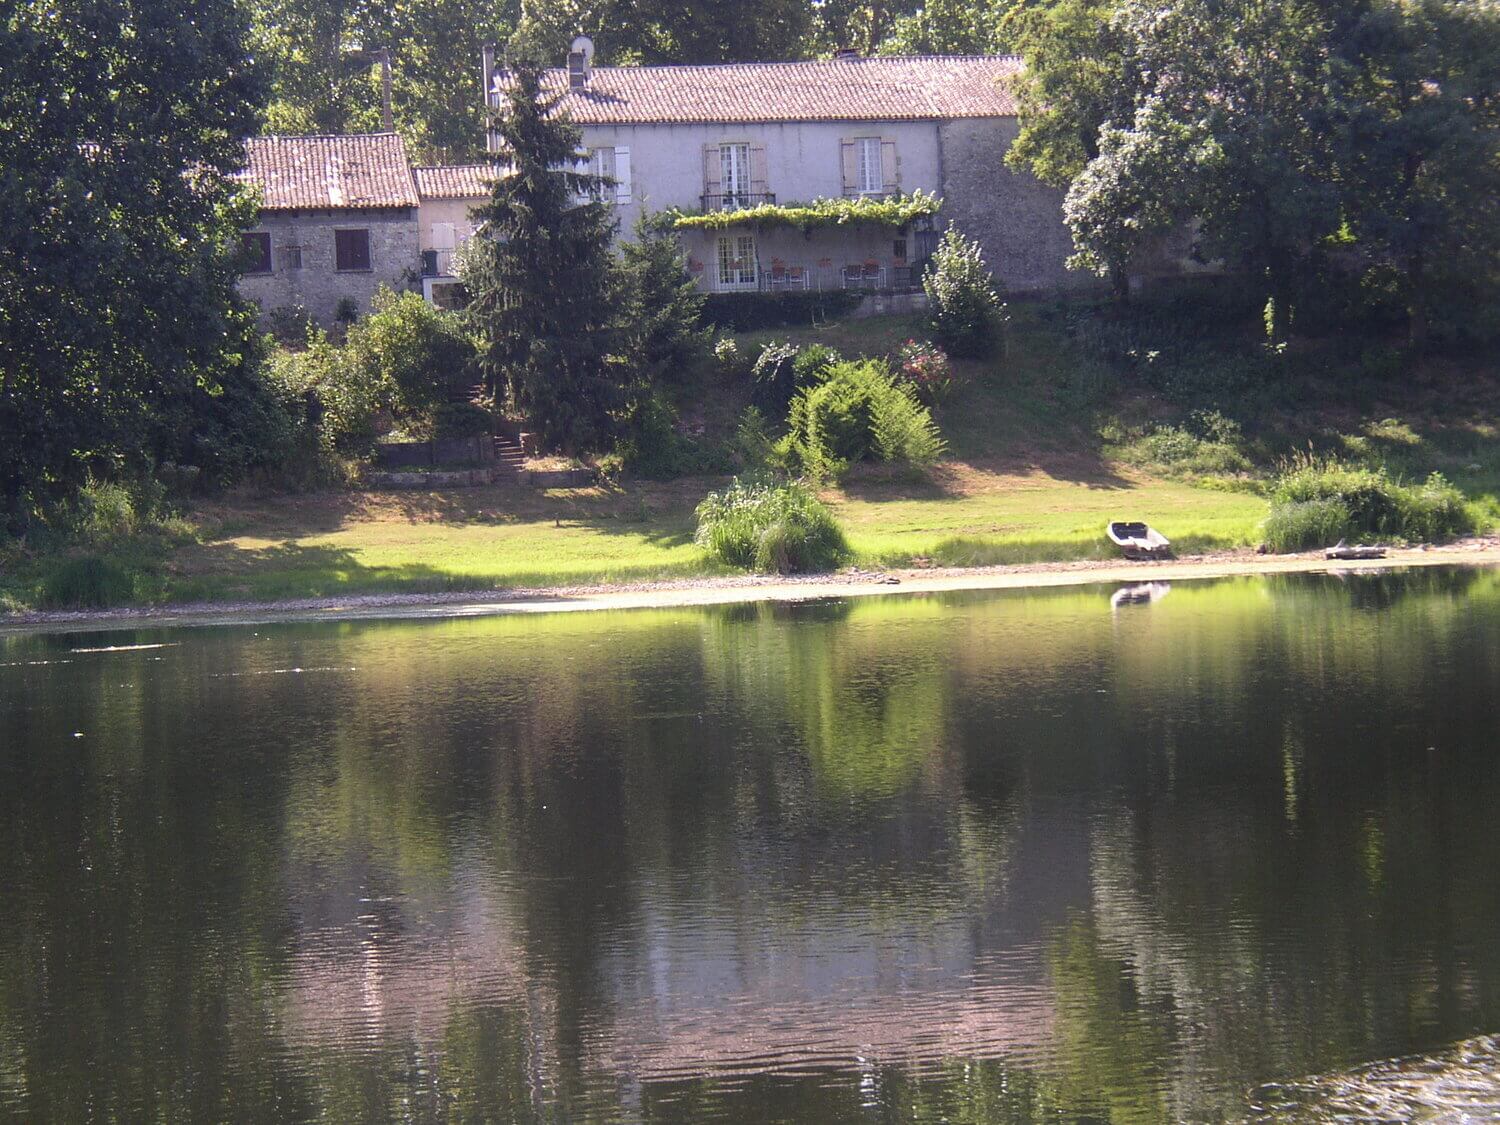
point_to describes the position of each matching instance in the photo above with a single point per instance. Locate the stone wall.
(1016, 218)
(395, 260)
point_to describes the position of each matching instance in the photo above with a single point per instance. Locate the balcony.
(736, 200)
(886, 276)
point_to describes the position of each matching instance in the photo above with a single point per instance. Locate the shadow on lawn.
(227, 572)
(609, 507)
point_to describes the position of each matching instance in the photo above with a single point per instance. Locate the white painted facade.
(708, 167)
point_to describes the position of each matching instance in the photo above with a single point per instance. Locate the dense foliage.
(418, 355)
(543, 282)
(1305, 145)
(665, 338)
(1316, 502)
(967, 313)
(122, 342)
(321, 55)
(768, 526)
(858, 412)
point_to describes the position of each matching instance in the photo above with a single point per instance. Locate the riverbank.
(1478, 552)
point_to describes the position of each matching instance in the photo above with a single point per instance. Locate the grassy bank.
(1046, 443)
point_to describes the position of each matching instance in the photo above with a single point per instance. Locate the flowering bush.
(926, 369)
(966, 311)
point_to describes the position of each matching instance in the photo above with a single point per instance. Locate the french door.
(737, 262)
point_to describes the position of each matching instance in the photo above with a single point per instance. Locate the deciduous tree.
(120, 131)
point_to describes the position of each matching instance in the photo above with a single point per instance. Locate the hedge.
(748, 312)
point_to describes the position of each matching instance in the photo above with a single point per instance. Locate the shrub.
(859, 413)
(751, 312)
(728, 356)
(420, 354)
(1306, 525)
(813, 362)
(290, 325)
(774, 374)
(87, 582)
(1311, 492)
(1368, 493)
(770, 527)
(752, 446)
(664, 308)
(106, 511)
(926, 369)
(455, 420)
(654, 448)
(966, 310)
(339, 399)
(781, 370)
(1210, 443)
(1433, 510)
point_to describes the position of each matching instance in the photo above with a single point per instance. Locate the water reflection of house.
(757, 962)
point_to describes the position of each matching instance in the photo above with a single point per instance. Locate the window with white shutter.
(622, 174)
(871, 179)
(734, 174)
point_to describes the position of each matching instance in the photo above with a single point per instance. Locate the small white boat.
(1137, 540)
(1342, 550)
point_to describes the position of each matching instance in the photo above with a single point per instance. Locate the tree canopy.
(1290, 135)
(121, 337)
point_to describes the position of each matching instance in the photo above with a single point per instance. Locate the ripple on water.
(1457, 1085)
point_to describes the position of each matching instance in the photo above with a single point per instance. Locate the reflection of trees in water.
(583, 831)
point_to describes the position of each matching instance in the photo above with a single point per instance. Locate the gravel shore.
(721, 590)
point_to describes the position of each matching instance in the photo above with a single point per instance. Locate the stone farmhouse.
(731, 137)
(343, 215)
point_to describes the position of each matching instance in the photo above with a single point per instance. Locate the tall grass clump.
(1316, 501)
(767, 526)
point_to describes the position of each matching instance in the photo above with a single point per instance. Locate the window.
(291, 257)
(351, 250)
(898, 249)
(257, 247)
(871, 176)
(737, 262)
(734, 174)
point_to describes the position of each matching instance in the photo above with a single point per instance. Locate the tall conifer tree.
(544, 285)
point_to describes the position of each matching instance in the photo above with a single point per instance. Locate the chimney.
(846, 54)
(487, 65)
(580, 61)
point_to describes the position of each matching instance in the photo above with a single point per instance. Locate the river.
(1178, 853)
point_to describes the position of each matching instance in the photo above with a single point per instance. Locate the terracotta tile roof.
(873, 89)
(330, 172)
(454, 181)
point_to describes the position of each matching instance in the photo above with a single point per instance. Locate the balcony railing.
(886, 276)
(737, 200)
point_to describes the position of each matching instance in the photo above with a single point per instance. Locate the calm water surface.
(981, 857)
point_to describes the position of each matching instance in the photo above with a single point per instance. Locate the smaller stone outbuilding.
(449, 193)
(338, 219)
